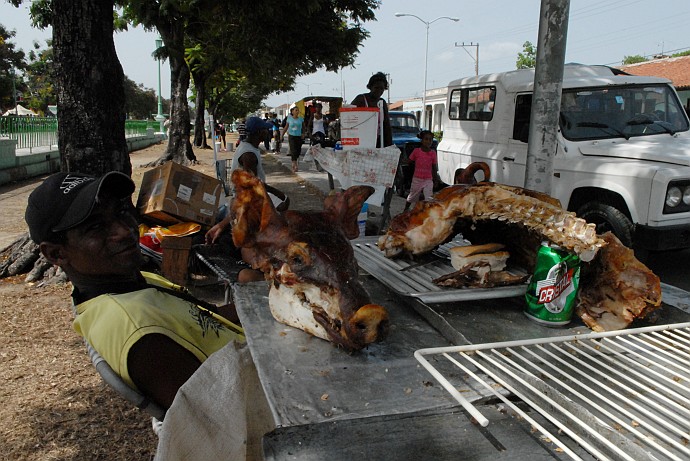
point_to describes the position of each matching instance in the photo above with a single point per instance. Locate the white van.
(623, 153)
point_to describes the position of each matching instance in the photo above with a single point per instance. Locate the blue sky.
(599, 32)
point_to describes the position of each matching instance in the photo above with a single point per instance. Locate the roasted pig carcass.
(308, 259)
(616, 288)
(430, 223)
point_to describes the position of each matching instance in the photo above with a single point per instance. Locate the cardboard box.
(173, 193)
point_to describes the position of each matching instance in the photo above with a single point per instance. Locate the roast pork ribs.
(615, 288)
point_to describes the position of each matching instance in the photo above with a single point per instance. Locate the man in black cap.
(150, 332)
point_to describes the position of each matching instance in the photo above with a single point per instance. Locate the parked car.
(405, 128)
(622, 159)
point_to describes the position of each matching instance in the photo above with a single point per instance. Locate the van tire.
(608, 218)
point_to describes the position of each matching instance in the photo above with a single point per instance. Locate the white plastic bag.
(308, 156)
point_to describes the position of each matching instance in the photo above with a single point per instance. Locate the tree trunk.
(199, 126)
(179, 148)
(89, 83)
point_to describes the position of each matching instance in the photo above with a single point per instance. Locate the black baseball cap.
(65, 200)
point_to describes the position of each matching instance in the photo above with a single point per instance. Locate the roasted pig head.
(310, 263)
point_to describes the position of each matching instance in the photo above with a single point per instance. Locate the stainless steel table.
(309, 380)
(379, 403)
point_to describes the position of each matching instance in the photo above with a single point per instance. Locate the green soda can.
(550, 297)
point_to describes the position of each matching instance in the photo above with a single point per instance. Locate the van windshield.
(621, 111)
(402, 122)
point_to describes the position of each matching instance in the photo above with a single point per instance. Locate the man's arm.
(358, 101)
(215, 231)
(158, 366)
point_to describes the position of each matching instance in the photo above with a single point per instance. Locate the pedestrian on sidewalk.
(241, 130)
(295, 130)
(317, 126)
(277, 138)
(425, 170)
(269, 133)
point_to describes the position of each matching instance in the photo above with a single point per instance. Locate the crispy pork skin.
(430, 223)
(616, 288)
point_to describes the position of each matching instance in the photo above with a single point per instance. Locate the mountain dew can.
(550, 297)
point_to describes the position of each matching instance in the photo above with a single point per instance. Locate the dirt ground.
(53, 404)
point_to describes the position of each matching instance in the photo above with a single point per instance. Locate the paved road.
(673, 267)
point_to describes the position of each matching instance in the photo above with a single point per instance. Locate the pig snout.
(369, 324)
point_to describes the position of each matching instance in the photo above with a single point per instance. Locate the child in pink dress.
(425, 169)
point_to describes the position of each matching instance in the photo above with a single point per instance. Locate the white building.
(435, 106)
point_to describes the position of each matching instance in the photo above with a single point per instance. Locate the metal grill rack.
(215, 264)
(414, 278)
(622, 395)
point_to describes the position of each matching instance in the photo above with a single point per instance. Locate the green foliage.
(34, 81)
(39, 78)
(240, 37)
(141, 103)
(527, 59)
(682, 53)
(12, 62)
(634, 59)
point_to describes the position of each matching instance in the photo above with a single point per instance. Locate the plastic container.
(362, 219)
(358, 127)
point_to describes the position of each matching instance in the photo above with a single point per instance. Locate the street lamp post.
(308, 85)
(160, 118)
(426, 55)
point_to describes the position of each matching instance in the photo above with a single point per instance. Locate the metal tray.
(414, 279)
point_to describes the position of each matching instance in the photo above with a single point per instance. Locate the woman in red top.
(425, 169)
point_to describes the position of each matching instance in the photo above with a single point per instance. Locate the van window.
(472, 103)
(523, 110)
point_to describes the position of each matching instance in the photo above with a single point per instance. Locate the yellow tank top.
(113, 323)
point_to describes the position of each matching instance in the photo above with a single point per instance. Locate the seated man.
(150, 332)
(248, 157)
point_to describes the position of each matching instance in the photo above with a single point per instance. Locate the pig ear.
(252, 209)
(342, 208)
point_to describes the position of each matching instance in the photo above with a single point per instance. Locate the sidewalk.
(306, 188)
(309, 173)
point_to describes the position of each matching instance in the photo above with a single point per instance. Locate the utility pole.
(160, 118)
(388, 79)
(476, 54)
(546, 101)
